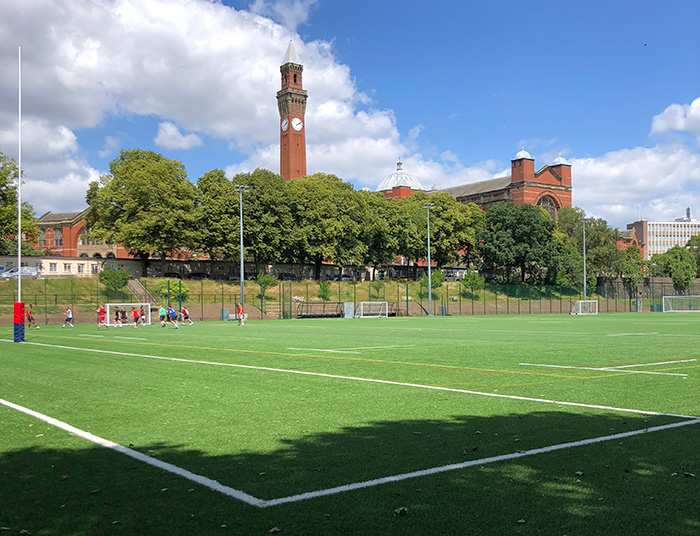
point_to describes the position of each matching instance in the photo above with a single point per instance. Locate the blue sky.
(453, 88)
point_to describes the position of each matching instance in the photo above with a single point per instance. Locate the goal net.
(373, 309)
(128, 308)
(585, 307)
(681, 304)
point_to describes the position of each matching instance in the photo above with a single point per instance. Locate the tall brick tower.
(291, 102)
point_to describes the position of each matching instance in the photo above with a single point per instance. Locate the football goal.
(585, 307)
(373, 309)
(681, 304)
(112, 307)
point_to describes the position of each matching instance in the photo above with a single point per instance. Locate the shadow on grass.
(636, 485)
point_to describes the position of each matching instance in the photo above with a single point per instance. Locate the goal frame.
(585, 307)
(687, 299)
(372, 309)
(109, 318)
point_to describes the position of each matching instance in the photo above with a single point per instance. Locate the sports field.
(434, 425)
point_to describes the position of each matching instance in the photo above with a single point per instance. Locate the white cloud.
(289, 13)
(110, 146)
(169, 137)
(213, 71)
(678, 117)
(662, 180)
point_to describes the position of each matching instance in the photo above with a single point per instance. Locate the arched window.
(548, 203)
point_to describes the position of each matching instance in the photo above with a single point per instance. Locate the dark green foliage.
(114, 278)
(678, 264)
(324, 290)
(517, 242)
(178, 290)
(146, 204)
(266, 281)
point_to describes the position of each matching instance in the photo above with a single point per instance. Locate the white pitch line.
(655, 364)
(631, 334)
(322, 350)
(96, 336)
(132, 338)
(605, 369)
(359, 379)
(261, 503)
(457, 466)
(204, 481)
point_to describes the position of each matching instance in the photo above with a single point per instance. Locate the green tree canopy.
(518, 240)
(146, 204)
(678, 264)
(8, 212)
(114, 278)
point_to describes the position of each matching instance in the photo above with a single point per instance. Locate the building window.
(39, 266)
(94, 269)
(549, 205)
(58, 237)
(67, 267)
(81, 268)
(53, 267)
(42, 239)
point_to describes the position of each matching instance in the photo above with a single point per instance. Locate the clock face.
(285, 124)
(297, 124)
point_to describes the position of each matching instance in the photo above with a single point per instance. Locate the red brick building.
(548, 187)
(63, 233)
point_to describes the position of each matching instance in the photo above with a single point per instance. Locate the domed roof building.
(399, 184)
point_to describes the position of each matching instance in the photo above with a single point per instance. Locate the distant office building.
(656, 237)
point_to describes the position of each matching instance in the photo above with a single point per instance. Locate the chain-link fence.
(217, 300)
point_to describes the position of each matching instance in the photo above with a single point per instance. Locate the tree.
(146, 204)
(517, 240)
(603, 258)
(324, 227)
(266, 281)
(266, 215)
(694, 247)
(378, 222)
(217, 216)
(678, 264)
(169, 290)
(114, 278)
(633, 266)
(8, 212)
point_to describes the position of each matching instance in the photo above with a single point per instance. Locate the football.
(38, 327)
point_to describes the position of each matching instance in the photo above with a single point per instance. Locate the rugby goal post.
(681, 304)
(373, 309)
(585, 307)
(129, 316)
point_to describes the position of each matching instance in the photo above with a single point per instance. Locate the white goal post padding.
(681, 304)
(129, 316)
(585, 307)
(373, 309)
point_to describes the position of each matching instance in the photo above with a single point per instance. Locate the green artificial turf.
(261, 428)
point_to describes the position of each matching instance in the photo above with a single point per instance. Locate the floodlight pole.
(653, 265)
(585, 282)
(240, 188)
(427, 207)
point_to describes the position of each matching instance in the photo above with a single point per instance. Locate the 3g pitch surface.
(360, 426)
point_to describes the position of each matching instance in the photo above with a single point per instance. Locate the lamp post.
(240, 188)
(653, 265)
(585, 282)
(427, 207)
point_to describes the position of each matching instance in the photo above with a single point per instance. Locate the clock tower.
(291, 102)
